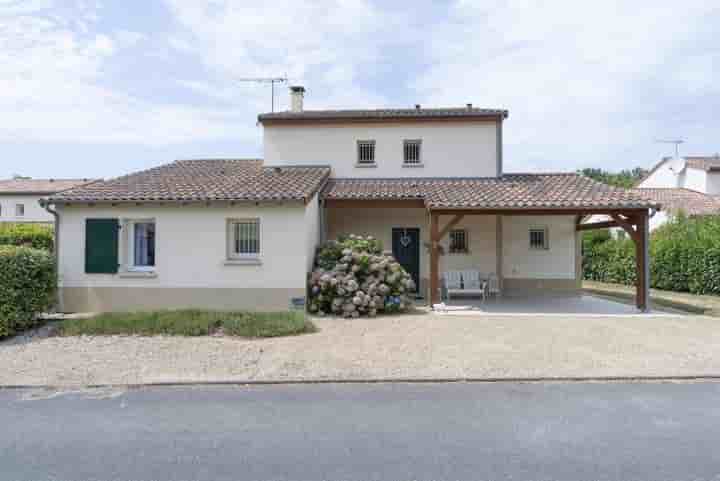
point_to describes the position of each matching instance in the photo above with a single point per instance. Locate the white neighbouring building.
(690, 184)
(242, 234)
(19, 198)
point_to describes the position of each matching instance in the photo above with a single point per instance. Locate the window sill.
(365, 166)
(256, 261)
(137, 274)
(459, 253)
(413, 166)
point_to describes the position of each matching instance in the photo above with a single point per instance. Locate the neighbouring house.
(429, 183)
(19, 198)
(688, 184)
(698, 173)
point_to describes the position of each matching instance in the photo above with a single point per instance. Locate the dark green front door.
(406, 249)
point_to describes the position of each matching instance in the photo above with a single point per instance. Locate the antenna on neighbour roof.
(265, 80)
(677, 143)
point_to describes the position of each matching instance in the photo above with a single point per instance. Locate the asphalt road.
(552, 431)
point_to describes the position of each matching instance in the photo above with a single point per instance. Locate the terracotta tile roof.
(704, 163)
(386, 114)
(511, 191)
(205, 180)
(690, 201)
(39, 186)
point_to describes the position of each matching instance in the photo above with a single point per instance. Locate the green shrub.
(38, 236)
(354, 278)
(27, 287)
(267, 324)
(189, 322)
(684, 257)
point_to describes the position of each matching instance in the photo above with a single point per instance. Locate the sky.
(102, 88)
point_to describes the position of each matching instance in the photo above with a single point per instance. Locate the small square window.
(366, 152)
(243, 238)
(141, 245)
(538, 238)
(411, 152)
(19, 210)
(458, 241)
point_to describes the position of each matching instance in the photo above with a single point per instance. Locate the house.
(688, 184)
(233, 233)
(20, 196)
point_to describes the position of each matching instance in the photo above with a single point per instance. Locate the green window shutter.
(101, 246)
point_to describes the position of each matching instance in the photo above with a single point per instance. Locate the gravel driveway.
(408, 346)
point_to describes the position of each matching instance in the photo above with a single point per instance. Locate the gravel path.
(409, 346)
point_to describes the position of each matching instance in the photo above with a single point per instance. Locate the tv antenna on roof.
(676, 142)
(267, 80)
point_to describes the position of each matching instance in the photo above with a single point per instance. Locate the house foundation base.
(109, 299)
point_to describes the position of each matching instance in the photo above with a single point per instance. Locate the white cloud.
(586, 83)
(53, 88)
(320, 44)
(574, 75)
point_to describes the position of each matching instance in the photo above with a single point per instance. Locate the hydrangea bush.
(354, 278)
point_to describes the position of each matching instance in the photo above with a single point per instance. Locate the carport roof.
(510, 191)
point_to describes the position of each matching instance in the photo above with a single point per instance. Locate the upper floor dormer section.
(386, 143)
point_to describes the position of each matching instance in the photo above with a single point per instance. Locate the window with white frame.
(19, 210)
(539, 238)
(141, 245)
(366, 152)
(243, 238)
(411, 152)
(458, 241)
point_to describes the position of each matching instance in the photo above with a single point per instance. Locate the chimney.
(469, 106)
(417, 106)
(297, 92)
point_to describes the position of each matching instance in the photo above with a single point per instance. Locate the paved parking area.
(557, 304)
(417, 346)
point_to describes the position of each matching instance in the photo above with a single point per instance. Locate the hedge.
(38, 236)
(684, 257)
(27, 287)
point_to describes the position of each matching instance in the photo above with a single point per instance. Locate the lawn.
(191, 322)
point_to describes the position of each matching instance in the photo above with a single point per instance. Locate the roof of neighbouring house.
(386, 114)
(707, 163)
(205, 180)
(21, 186)
(689, 201)
(511, 191)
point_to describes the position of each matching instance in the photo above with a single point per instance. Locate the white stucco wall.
(33, 211)
(663, 177)
(312, 229)
(712, 183)
(657, 220)
(449, 149)
(191, 247)
(695, 179)
(380, 222)
(521, 262)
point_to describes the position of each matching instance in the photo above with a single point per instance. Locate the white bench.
(464, 282)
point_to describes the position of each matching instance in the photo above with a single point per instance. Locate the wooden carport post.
(434, 261)
(436, 236)
(639, 235)
(643, 263)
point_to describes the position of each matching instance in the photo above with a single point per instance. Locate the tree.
(626, 178)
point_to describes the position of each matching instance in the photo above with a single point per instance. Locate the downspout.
(56, 246)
